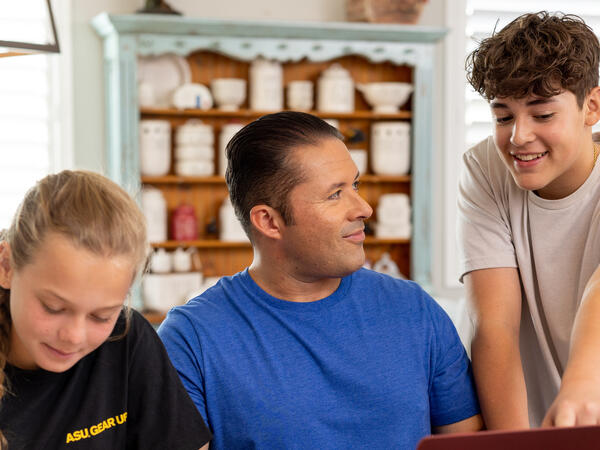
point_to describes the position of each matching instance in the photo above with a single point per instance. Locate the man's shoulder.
(384, 280)
(380, 285)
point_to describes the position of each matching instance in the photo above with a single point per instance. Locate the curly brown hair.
(537, 53)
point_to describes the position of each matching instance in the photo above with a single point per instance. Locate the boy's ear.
(5, 266)
(592, 107)
(267, 221)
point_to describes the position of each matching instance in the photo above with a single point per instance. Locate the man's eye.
(335, 195)
(356, 185)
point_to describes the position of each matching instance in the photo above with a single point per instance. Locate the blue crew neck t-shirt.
(374, 365)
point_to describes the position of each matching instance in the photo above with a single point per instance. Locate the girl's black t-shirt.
(124, 395)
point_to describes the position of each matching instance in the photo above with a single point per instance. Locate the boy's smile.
(546, 142)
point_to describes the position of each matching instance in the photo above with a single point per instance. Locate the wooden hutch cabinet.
(225, 48)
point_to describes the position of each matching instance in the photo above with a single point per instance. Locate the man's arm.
(578, 400)
(474, 423)
(495, 295)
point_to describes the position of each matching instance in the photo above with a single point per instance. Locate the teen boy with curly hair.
(529, 226)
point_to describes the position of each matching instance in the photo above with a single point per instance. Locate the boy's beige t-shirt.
(555, 244)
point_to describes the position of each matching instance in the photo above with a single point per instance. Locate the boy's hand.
(577, 403)
(578, 400)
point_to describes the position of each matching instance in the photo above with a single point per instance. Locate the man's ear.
(266, 221)
(5, 265)
(592, 107)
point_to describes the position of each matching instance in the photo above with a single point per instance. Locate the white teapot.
(182, 259)
(160, 261)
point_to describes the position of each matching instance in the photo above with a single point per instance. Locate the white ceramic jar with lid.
(154, 207)
(230, 228)
(194, 132)
(266, 85)
(227, 132)
(390, 148)
(155, 147)
(335, 91)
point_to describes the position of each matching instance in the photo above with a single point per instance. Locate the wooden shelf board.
(176, 179)
(247, 113)
(370, 240)
(215, 243)
(200, 243)
(215, 179)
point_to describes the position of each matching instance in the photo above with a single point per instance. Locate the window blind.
(27, 111)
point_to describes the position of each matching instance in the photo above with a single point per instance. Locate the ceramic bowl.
(229, 93)
(385, 97)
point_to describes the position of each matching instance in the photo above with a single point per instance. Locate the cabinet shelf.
(177, 179)
(215, 179)
(215, 243)
(200, 243)
(252, 114)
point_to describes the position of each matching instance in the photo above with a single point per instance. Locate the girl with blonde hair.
(79, 369)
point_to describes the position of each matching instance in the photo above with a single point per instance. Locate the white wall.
(88, 81)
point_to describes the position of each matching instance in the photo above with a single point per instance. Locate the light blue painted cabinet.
(372, 52)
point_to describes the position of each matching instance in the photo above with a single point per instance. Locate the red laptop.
(572, 438)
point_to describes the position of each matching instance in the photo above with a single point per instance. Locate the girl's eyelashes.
(50, 309)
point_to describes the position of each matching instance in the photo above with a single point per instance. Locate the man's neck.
(282, 283)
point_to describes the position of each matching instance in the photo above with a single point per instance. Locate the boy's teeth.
(529, 157)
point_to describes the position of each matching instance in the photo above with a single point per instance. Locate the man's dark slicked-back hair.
(260, 165)
(537, 53)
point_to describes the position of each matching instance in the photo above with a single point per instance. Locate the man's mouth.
(356, 235)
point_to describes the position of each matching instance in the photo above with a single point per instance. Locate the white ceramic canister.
(194, 132)
(155, 147)
(359, 156)
(230, 228)
(335, 90)
(195, 167)
(300, 95)
(390, 148)
(154, 207)
(227, 132)
(266, 85)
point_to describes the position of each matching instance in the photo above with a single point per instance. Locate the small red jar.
(184, 225)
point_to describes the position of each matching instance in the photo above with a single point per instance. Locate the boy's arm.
(578, 400)
(495, 295)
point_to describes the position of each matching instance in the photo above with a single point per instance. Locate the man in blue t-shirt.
(305, 349)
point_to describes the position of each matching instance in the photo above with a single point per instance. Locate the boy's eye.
(544, 116)
(502, 120)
